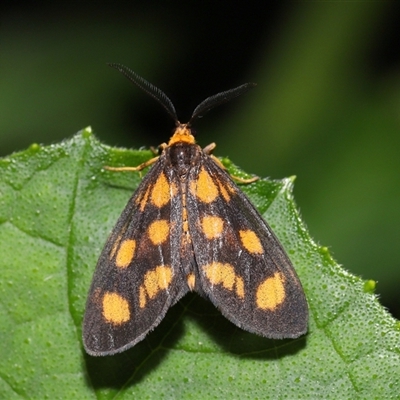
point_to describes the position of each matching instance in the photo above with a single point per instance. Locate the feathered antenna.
(150, 89)
(205, 106)
(219, 98)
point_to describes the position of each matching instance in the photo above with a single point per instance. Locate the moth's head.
(182, 133)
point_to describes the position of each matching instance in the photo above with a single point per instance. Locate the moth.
(188, 227)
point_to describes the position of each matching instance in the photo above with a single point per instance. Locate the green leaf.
(57, 206)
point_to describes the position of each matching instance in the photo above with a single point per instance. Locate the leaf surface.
(57, 206)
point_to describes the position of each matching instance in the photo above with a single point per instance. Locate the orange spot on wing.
(224, 192)
(154, 281)
(240, 287)
(271, 293)
(115, 308)
(251, 242)
(212, 226)
(158, 231)
(191, 281)
(160, 193)
(224, 274)
(126, 253)
(204, 188)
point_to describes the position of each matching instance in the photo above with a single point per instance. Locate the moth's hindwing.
(137, 276)
(243, 268)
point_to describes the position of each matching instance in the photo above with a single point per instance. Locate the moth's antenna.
(217, 99)
(150, 89)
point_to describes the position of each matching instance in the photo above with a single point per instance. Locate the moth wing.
(137, 277)
(242, 267)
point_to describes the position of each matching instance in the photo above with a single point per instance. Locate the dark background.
(326, 108)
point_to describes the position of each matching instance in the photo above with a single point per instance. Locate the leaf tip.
(369, 286)
(87, 132)
(34, 147)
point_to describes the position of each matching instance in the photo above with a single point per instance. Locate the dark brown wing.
(242, 267)
(137, 277)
